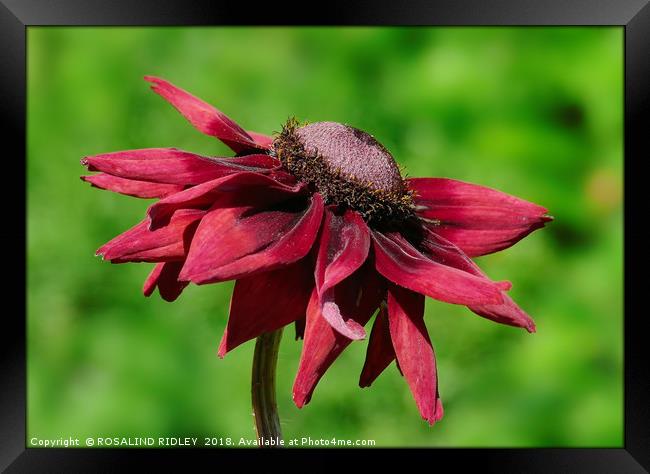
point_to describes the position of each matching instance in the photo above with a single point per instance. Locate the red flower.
(317, 227)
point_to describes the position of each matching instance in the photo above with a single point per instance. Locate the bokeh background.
(536, 112)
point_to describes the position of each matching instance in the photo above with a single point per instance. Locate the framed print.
(406, 228)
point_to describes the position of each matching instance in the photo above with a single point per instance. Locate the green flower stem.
(265, 409)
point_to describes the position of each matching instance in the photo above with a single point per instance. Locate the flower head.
(318, 228)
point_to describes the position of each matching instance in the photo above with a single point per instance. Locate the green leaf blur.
(536, 112)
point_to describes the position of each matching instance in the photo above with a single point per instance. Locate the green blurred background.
(536, 112)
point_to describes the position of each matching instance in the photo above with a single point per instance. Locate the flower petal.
(203, 116)
(165, 277)
(406, 266)
(358, 295)
(266, 302)
(343, 247)
(139, 244)
(380, 351)
(239, 241)
(130, 187)
(477, 219)
(439, 248)
(413, 350)
(262, 140)
(173, 166)
(507, 313)
(239, 187)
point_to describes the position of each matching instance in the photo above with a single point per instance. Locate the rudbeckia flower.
(319, 228)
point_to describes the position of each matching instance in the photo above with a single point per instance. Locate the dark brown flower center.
(348, 167)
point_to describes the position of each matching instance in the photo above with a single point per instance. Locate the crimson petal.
(413, 350)
(406, 266)
(477, 219)
(239, 241)
(380, 352)
(130, 187)
(266, 302)
(165, 277)
(205, 118)
(139, 244)
(247, 187)
(508, 312)
(343, 247)
(262, 140)
(358, 295)
(173, 166)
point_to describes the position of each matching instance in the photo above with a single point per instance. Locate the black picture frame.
(17, 15)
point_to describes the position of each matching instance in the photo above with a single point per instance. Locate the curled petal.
(477, 219)
(130, 187)
(234, 242)
(343, 247)
(139, 244)
(173, 166)
(205, 118)
(240, 187)
(413, 350)
(359, 295)
(507, 312)
(165, 277)
(266, 302)
(406, 266)
(380, 351)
